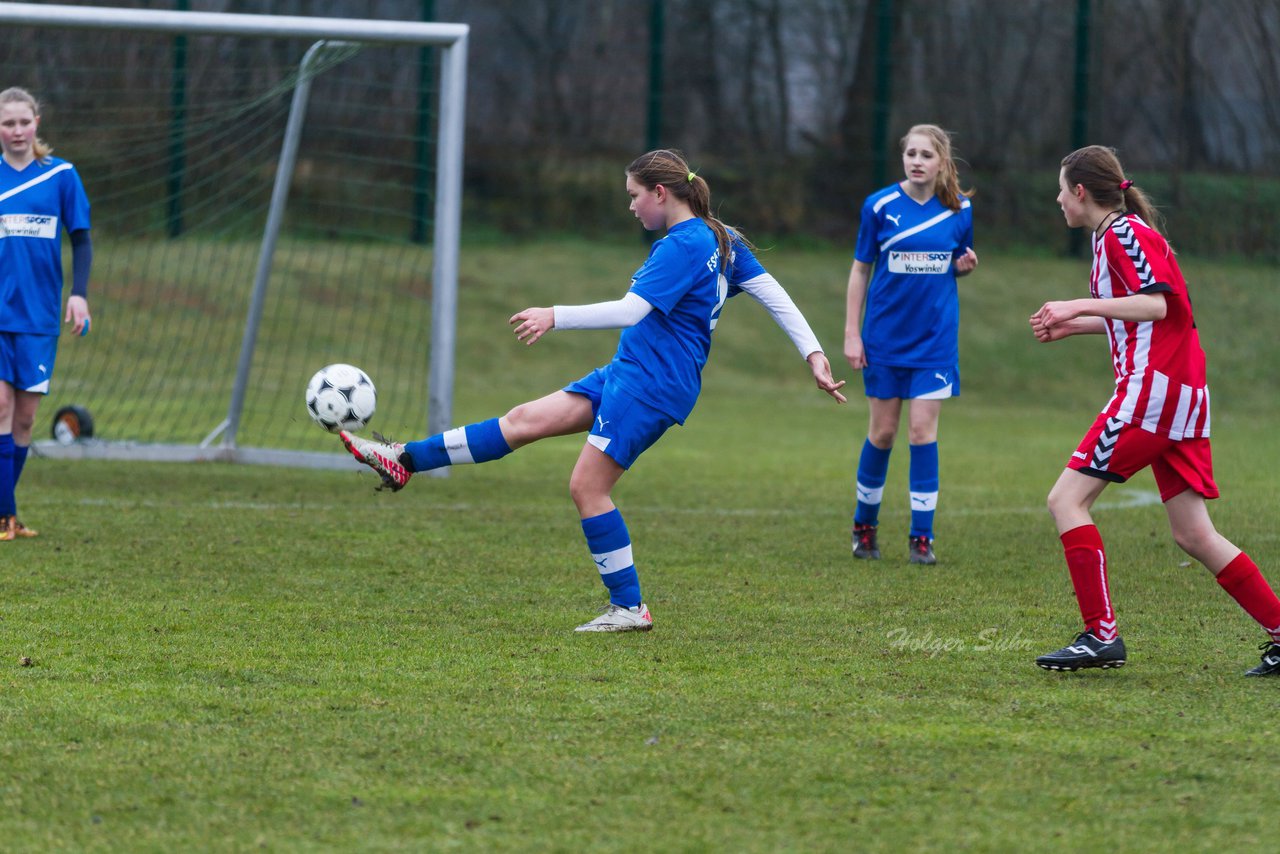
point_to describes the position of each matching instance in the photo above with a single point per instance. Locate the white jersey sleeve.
(765, 290)
(616, 314)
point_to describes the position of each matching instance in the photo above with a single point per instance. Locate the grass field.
(232, 658)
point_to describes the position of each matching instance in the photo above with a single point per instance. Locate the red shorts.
(1115, 451)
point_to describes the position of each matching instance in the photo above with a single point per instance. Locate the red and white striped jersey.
(1159, 365)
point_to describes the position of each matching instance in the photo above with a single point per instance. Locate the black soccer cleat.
(920, 550)
(1085, 651)
(1270, 665)
(864, 542)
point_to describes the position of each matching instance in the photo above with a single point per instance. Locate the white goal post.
(451, 39)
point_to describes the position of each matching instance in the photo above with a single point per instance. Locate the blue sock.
(19, 460)
(610, 546)
(923, 481)
(475, 443)
(7, 505)
(873, 467)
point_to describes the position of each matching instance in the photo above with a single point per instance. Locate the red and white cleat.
(384, 458)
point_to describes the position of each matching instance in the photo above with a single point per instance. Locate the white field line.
(1123, 500)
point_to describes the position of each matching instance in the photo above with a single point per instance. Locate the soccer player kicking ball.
(1158, 415)
(653, 382)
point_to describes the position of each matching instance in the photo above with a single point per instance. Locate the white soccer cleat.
(619, 619)
(384, 458)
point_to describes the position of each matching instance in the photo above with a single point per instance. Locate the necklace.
(1100, 228)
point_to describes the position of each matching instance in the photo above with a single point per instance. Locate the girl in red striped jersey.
(1158, 415)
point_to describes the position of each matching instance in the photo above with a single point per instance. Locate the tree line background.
(792, 108)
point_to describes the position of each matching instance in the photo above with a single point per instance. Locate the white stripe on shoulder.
(896, 194)
(39, 179)
(929, 223)
(964, 203)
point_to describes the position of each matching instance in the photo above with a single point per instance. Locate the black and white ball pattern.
(341, 397)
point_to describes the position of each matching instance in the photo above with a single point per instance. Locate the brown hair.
(948, 186)
(1098, 170)
(18, 95)
(669, 168)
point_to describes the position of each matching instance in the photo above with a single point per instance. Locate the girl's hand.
(1053, 313)
(822, 375)
(967, 262)
(854, 353)
(533, 323)
(1054, 321)
(78, 314)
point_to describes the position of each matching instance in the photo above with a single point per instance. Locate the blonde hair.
(1097, 169)
(18, 95)
(948, 185)
(669, 168)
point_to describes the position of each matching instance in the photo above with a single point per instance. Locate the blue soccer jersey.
(912, 317)
(36, 205)
(660, 359)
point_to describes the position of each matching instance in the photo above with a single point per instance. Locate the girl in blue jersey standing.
(915, 239)
(40, 197)
(653, 382)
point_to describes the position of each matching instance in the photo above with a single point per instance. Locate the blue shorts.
(886, 383)
(26, 361)
(624, 427)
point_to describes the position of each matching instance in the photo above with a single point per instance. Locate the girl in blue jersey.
(40, 197)
(653, 382)
(917, 236)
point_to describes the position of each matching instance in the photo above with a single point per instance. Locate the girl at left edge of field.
(40, 197)
(667, 317)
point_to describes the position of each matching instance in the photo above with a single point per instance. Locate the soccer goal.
(270, 194)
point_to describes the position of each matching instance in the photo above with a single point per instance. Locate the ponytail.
(670, 169)
(1097, 169)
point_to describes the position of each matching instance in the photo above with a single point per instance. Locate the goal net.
(269, 195)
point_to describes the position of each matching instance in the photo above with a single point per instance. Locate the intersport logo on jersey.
(28, 225)
(919, 262)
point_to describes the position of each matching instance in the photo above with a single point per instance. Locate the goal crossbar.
(229, 23)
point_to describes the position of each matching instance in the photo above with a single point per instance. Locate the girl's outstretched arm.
(615, 314)
(1058, 319)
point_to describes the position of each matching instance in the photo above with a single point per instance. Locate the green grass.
(232, 658)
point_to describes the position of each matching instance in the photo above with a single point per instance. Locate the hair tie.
(692, 175)
(1126, 184)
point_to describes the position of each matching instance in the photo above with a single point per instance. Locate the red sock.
(1087, 561)
(1246, 585)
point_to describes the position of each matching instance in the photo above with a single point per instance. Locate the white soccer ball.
(341, 397)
